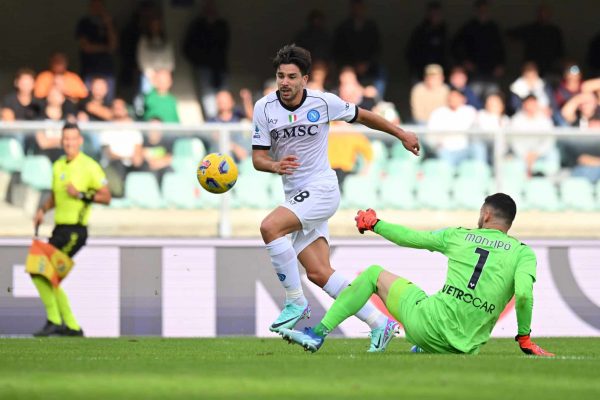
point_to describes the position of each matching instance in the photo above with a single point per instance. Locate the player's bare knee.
(269, 230)
(319, 277)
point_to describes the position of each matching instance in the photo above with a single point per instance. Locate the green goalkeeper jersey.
(486, 267)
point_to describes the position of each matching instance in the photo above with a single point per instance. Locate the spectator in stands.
(458, 79)
(532, 118)
(205, 46)
(582, 110)
(269, 86)
(542, 41)
(388, 111)
(58, 109)
(428, 41)
(345, 148)
(59, 76)
(318, 76)
(478, 47)
(593, 55)
(227, 112)
(315, 37)
(21, 103)
(158, 151)
(160, 103)
(97, 42)
(96, 107)
(352, 91)
(129, 37)
(122, 146)
(428, 95)
(569, 86)
(357, 43)
(457, 116)
(493, 117)
(154, 52)
(528, 83)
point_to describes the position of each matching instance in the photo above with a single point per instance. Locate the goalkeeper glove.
(528, 347)
(366, 220)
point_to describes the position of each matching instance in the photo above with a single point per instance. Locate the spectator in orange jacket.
(57, 75)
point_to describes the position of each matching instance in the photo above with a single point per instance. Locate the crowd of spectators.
(459, 83)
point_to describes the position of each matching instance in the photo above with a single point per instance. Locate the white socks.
(283, 258)
(368, 313)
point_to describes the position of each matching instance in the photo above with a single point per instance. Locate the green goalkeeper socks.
(46, 292)
(65, 309)
(350, 300)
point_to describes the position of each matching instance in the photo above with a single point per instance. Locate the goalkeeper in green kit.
(486, 267)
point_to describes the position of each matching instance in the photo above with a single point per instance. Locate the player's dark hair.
(292, 54)
(70, 125)
(504, 206)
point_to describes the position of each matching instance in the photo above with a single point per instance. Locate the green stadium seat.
(11, 155)
(359, 192)
(475, 169)
(119, 203)
(246, 167)
(396, 194)
(141, 189)
(469, 193)
(577, 194)
(541, 194)
(438, 169)
(252, 191)
(407, 170)
(189, 148)
(178, 190)
(433, 193)
(37, 172)
(514, 173)
(276, 194)
(185, 165)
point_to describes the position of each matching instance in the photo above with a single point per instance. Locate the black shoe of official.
(66, 331)
(50, 329)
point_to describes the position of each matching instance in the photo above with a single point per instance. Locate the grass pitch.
(250, 368)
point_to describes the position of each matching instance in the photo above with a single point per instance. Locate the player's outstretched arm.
(262, 161)
(374, 121)
(401, 235)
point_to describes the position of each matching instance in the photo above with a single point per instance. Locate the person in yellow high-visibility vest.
(77, 182)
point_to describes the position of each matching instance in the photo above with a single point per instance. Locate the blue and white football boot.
(307, 338)
(382, 336)
(289, 317)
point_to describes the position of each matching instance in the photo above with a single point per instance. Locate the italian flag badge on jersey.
(293, 117)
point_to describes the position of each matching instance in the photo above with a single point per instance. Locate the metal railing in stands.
(498, 138)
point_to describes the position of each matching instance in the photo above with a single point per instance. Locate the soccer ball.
(217, 173)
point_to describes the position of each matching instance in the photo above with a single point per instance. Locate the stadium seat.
(514, 173)
(276, 194)
(433, 193)
(438, 169)
(359, 192)
(189, 148)
(541, 194)
(577, 194)
(141, 189)
(469, 192)
(252, 191)
(178, 190)
(246, 167)
(396, 194)
(37, 172)
(11, 154)
(184, 165)
(407, 170)
(474, 169)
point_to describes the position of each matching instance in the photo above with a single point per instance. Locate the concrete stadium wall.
(207, 288)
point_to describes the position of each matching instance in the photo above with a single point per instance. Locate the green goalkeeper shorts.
(410, 305)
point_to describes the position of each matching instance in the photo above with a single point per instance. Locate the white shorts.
(313, 205)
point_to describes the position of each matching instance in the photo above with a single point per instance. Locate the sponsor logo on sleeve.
(256, 132)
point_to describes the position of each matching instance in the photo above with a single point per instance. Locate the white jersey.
(301, 131)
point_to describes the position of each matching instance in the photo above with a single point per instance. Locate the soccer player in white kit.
(290, 138)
